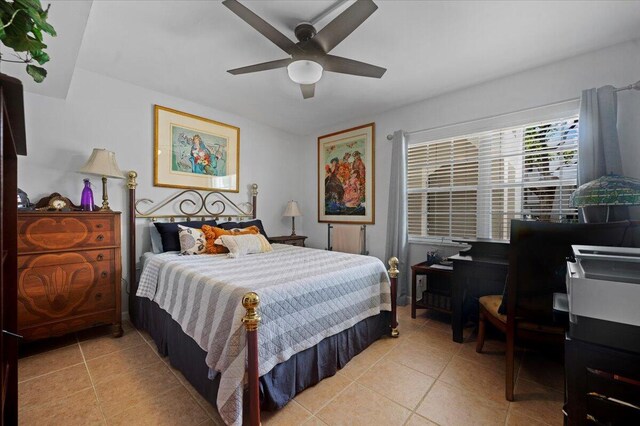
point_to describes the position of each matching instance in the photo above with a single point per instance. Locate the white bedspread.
(306, 295)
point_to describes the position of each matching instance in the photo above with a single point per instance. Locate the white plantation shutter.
(472, 186)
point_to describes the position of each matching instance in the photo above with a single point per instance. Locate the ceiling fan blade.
(344, 24)
(308, 90)
(262, 26)
(349, 66)
(271, 65)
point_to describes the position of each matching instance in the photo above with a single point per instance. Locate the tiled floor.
(421, 378)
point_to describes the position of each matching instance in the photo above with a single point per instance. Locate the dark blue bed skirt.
(285, 380)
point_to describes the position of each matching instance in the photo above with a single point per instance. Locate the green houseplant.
(22, 25)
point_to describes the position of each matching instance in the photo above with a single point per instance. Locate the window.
(472, 186)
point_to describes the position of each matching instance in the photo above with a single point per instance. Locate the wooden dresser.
(69, 272)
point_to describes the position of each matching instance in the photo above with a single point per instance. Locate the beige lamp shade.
(292, 210)
(102, 163)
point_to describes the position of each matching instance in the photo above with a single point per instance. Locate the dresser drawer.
(63, 258)
(30, 243)
(54, 292)
(60, 223)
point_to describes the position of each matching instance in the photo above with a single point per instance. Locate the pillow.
(192, 240)
(156, 239)
(240, 245)
(212, 233)
(243, 225)
(169, 232)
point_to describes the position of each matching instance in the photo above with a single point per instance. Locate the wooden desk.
(438, 283)
(474, 277)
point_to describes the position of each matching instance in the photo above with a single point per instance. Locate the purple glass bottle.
(86, 200)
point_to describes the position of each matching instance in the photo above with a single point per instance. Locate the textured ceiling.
(183, 48)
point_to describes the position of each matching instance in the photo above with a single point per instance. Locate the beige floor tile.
(358, 405)
(429, 361)
(315, 397)
(474, 377)
(314, 421)
(517, 419)
(397, 382)
(543, 368)
(408, 326)
(210, 422)
(492, 355)
(537, 401)
(175, 407)
(47, 362)
(291, 414)
(448, 405)
(56, 385)
(80, 408)
(94, 346)
(383, 345)
(133, 387)
(39, 346)
(361, 363)
(417, 420)
(436, 339)
(105, 367)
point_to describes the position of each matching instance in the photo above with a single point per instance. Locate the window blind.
(471, 186)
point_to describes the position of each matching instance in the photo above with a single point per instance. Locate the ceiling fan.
(310, 55)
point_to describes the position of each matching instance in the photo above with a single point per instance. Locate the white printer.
(603, 291)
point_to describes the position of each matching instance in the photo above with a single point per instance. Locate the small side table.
(439, 279)
(292, 240)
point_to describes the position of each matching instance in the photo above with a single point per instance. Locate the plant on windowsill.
(22, 24)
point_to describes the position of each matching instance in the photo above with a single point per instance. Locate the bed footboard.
(251, 321)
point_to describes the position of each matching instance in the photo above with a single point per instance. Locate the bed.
(254, 331)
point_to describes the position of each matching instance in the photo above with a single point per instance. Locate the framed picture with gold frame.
(195, 152)
(346, 186)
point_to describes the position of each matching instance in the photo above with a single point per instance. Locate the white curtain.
(599, 149)
(397, 235)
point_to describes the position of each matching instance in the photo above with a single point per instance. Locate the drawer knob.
(100, 256)
(100, 237)
(104, 274)
(99, 225)
(98, 296)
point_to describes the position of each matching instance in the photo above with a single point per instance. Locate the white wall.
(618, 65)
(100, 112)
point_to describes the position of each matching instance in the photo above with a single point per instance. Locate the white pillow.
(239, 245)
(156, 239)
(192, 240)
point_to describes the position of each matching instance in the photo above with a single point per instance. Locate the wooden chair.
(537, 269)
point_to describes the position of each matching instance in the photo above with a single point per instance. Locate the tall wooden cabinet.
(69, 272)
(12, 144)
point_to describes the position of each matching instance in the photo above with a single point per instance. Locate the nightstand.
(293, 240)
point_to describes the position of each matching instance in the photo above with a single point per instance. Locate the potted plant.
(22, 25)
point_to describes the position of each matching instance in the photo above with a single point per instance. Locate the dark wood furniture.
(602, 384)
(12, 144)
(478, 271)
(293, 240)
(69, 272)
(537, 269)
(438, 293)
(251, 300)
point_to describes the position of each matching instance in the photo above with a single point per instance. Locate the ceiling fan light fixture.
(304, 71)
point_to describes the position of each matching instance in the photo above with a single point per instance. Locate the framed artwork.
(193, 152)
(346, 187)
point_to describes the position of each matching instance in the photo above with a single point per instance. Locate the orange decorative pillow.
(212, 233)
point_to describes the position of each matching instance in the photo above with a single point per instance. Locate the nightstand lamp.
(292, 211)
(103, 163)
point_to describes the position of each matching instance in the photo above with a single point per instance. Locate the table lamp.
(609, 190)
(103, 163)
(292, 211)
